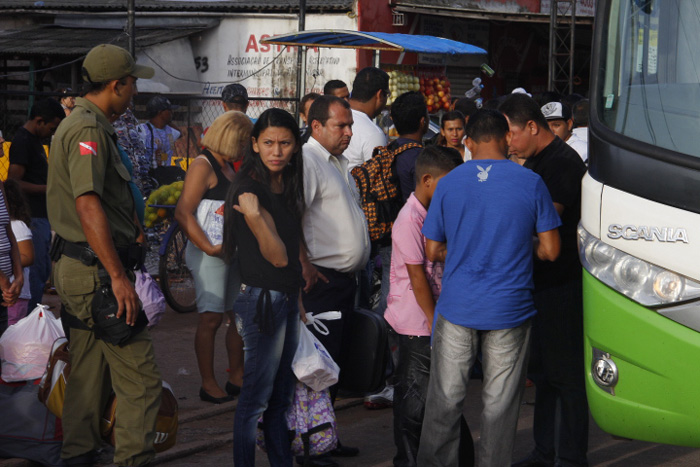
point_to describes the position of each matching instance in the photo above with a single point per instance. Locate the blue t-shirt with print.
(487, 212)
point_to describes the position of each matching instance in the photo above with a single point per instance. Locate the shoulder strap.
(406, 147)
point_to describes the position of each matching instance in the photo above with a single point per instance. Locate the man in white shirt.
(580, 112)
(558, 117)
(370, 91)
(335, 228)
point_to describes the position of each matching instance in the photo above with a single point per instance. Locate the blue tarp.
(375, 41)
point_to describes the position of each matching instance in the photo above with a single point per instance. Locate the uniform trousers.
(97, 368)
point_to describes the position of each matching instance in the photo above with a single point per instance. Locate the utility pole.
(301, 57)
(562, 26)
(130, 29)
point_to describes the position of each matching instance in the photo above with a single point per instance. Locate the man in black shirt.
(556, 361)
(29, 166)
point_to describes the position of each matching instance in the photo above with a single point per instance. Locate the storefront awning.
(60, 41)
(374, 41)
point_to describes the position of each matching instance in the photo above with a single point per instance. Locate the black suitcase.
(364, 357)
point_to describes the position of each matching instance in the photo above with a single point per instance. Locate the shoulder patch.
(88, 148)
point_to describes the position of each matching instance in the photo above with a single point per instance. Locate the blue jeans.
(40, 271)
(268, 380)
(504, 358)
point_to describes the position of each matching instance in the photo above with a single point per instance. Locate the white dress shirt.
(365, 137)
(580, 146)
(581, 132)
(334, 224)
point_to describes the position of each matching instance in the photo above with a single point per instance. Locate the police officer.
(92, 210)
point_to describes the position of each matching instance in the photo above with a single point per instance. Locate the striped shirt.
(5, 258)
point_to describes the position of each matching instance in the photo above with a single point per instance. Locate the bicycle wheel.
(175, 278)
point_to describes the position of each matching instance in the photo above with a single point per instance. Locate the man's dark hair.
(494, 103)
(312, 96)
(466, 106)
(485, 125)
(436, 161)
(407, 111)
(520, 109)
(48, 110)
(333, 85)
(547, 96)
(580, 113)
(319, 109)
(571, 99)
(368, 82)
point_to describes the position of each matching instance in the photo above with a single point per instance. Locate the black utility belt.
(131, 257)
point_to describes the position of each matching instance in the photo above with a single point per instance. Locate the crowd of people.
(480, 269)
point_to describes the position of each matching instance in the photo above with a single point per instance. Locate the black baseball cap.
(234, 93)
(158, 104)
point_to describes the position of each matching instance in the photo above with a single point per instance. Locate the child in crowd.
(414, 289)
(18, 208)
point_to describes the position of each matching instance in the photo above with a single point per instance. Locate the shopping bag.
(152, 298)
(52, 389)
(311, 423)
(210, 217)
(26, 345)
(312, 363)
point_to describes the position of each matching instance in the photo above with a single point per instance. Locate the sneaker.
(381, 400)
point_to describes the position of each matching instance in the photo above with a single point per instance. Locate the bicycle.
(175, 278)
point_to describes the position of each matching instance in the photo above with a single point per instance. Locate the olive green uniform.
(84, 159)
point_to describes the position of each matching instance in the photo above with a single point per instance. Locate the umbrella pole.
(301, 58)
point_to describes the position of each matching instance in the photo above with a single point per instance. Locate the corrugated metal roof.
(77, 41)
(170, 5)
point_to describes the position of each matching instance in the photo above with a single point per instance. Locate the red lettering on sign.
(252, 44)
(264, 47)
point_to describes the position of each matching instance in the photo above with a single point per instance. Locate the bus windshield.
(650, 73)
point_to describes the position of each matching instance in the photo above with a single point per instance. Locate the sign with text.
(233, 52)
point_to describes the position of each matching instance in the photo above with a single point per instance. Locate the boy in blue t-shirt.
(481, 223)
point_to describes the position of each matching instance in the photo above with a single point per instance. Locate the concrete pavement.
(205, 431)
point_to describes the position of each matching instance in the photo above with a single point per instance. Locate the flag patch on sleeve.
(88, 148)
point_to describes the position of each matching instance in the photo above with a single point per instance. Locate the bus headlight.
(637, 279)
(630, 273)
(668, 286)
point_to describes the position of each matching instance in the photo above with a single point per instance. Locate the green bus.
(639, 236)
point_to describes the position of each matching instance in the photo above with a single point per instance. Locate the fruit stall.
(431, 81)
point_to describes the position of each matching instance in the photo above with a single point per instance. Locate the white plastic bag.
(312, 363)
(152, 298)
(318, 324)
(210, 216)
(25, 347)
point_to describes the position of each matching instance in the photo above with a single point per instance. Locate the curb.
(183, 450)
(219, 409)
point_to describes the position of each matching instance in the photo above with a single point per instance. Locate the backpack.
(166, 422)
(380, 193)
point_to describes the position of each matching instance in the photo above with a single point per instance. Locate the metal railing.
(194, 115)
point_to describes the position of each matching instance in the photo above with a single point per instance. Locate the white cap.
(521, 91)
(555, 111)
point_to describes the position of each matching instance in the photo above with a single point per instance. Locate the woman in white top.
(200, 215)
